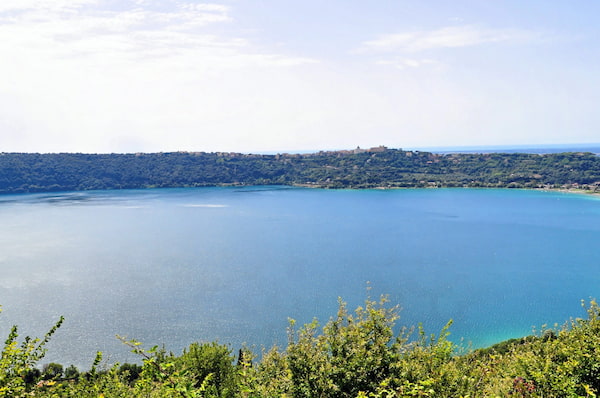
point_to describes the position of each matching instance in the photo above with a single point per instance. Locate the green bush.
(211, 365)
(17, 361)
(356, 354)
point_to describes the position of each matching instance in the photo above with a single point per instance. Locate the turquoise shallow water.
(174, 266)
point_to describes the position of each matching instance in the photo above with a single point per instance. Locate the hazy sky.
(296, 75)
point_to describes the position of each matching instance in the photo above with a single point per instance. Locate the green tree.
(212, 363)
(17, 361)
(52, 370)
(71, 372)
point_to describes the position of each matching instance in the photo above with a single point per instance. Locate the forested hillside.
(375, 167)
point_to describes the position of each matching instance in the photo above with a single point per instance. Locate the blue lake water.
(175, 266)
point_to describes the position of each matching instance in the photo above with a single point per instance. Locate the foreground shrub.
(18, 360)
(355, 354)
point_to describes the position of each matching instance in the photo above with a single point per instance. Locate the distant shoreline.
(573, 191)
(373, 168)
(576, 191)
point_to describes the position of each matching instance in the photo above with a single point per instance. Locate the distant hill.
(378, 167)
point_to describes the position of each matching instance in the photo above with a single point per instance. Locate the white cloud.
(403, 63)
(43, 5)
(220, 8)
(448, 37)
(53, 30)
(150, 75)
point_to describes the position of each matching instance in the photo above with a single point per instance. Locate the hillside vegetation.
(375, 167)
(355, 354)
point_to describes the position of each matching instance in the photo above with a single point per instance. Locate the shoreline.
(578, 191)
(569, 190)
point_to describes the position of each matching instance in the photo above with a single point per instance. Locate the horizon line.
(433, 149)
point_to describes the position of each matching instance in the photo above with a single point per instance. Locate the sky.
(266, 76)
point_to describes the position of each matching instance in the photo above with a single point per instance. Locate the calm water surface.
(175, 266)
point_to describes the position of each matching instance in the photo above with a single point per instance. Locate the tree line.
(379, 167)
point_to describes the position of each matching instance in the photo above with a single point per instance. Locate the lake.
(173, 266)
